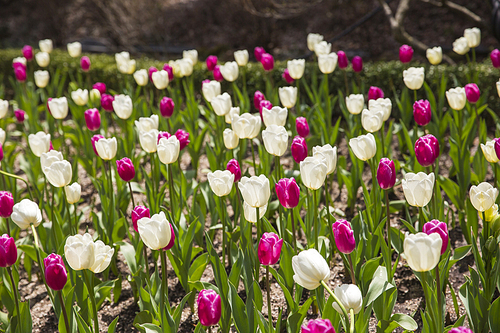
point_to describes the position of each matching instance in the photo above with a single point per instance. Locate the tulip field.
(158, 204)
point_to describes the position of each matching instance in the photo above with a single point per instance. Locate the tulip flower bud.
(55, 272)
(302, 126)
(85, 63)
(191, 55)
(427, 150)
(267, 61)
(2, 136)
(386, 173)
(155, 231)
(141, 77)
(318, 326)
(355, 103)
(148, 140)
(288, 192)
(275, 139)
(434, 55)
(375, 93)
(4, 107)
(146, 124)
(250, 212)
(73, 193)
(342, 59)
(461, 46)
(107, 102)
(74, 49)
(299, 149)
(217, 74)
(313, 39)
(8, 251)
(94, 139)
(372, 121)
(461, 329)
(232, 112)
(229, 71)
(472, 92)
(1, 153)
(327, 62)
(246, 126)
(209, 307)
(138, 213)
(47, 159)
(42, 59)
(257, 98)
(106, 148)
(405, 53)
(322, 48)
(123, 106)
(19, 62)
(313, 171)
(126, 169)
(80, 97)
(287, 77)
(288, 96)
(183, 138)
(296, 68)
(100, 86)
(6, 204)
(258, 52)
(269, 249)
(92, 119)
(25, 213)
(274, 116)
(210, 89)
(456, 98)
(165, 135)
(350, 296)
(494, 56)
(167, 107)
(221, 182)
(231, 140)
(168, 148)
(473, 36)
(58, 173)
(241, 57)
(413, 77)
(20, 115)
(344, 236)
(222, 104)
(211, 62)
(255, 190)
(310, 268)
(167, 68)
(436, 226)
(422, 112)
(422, 251)
(151, 70)
(357, 64)
(39, 143)
(265, 104)
(418, 188)
(483, 196)
(489, 151)
(160, 79)
(364, 146)
(328, 153)
(20, 73)
(28, 52)
(41, 78)
(95, 96)
(45, 45)
(234, 167)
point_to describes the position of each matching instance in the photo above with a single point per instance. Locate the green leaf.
(151, 328)
(238, 310)
(112, 326)
(378, 285)
(494, 317)
(405, 321)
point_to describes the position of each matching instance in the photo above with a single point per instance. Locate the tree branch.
(461, 10)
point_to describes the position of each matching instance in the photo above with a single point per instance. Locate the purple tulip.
(342, 59)
(94, 139)
(211, 62)
(257, 98)
(167, 68)
(357, 64)
(299, 149)
(92, 119)
(234, 167)
(138, 213)
(126, 169)
(6, 204)
(1, 152)
(269, 249)
(461, 329)
(375, 93)
(209, 307)
(100, 86)
(20, 115)
(405, 53)
(265, 104)
(107, 102)
(386, 173)
(287, 77)
(302, 127)
(165, 135)
(85, 63)
(318, 326)
(267, 61)
(55, 272)
(288, 192)
(20, 73)
(258, 52)
(344, 236)
(28, 52)
(151, 70)
(183, 138)
(495, 58)
(217, 74)
(8, 251)
(472, 92)
(422, 112)
(172, 239)
(167, 107)
(18, 64)
(436, 226)
(427, 150)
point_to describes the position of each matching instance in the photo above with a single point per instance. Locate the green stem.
(40, 262)
(224, 240)
(67, 211)
(351, 311)
(253, 158)
(90, 287)
(269, 312)
(316, 222)
(171, 188)
(486, 227)
(16, 296)
(294, 235)
(65, 314)
(388, 220)
(478, 121)
(164, 287)
(336, 299)
(440, 306)
(19, 178)
(131, 195)
(428, 301)
(76, 218)
(297, 103)
(257, 217)
(353, 277)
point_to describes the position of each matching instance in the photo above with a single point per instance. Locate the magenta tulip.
(343, 61)
(28, 52)
(151, 70)
(405, 53)
(495, 58)
(472, 92)
(386, 173)
(211, 62)
(20, 115)
(234, 167)
(257, 98)
(126, 169)
(427, 150)
(94, 139)
(100, 86)
(217, 74)
(183, 138)
(172, 239)
(267, 61)
(436, 226)
(422, 112)
(167, 68)
(269, 249)
(299, 149)
(55, 272)
(6, 204)
(265, 104)
(8, 251)
(167, 107)
(85, 63)
(258, 52)
(318, 326)
(375, 93)
(20, 73)
(209, 307)
(461, 329)
(165, 135)
(357, 64)
(107, 102)
(1, 152)
(344, 236)
(287, 77)
(302, 127)
(92, 119)
(18, 64)
(138, 213)
(288, 192)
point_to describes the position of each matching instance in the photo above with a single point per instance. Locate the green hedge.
(386, 75)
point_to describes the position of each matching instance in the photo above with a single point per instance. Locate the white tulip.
(95, 95)
(59, 107)
(310, 268)
(422, 251)
(255, 190)
(229, 71)
(106, 148)
(497, 84)
(59, 173)
(146, 124)
(190, 54)
(350, 296)
(313, 39)
(364, 146)
(355, 103)
(414, 77)
(25, 213)
(489, 151)
(473, 36)
(221, 182)
(275, 116)
(434, 55)
(322, 47)
(123, 106)
(456, 98)
(288, 96)
(211, 90)
(80, 97)
(231, 140)
(52, 156)
(251, 212)
(155, 232)
(79, 251)
(21, 60)
(45, 45)
(241, 57)
(41, 78)
(296, 68)
(329, 153)
(461, 46)
(141, 77)
(483, 196)
(232, 112)
(4, 107)
(149, 140)
(39, 143)
(160, 79)
(275, 140)
(168, 149)
(313, 171)
(372, 121)
(222, 104)
(42, 59)
(73, 193)
(381, 104)
(122, 57)
(418, 188)
(127, 67)
(184, 67)
(74, 49)
(246, 126)
(3, 135)
(327, 62)
(102, 257)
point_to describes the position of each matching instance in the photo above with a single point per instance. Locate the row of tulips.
(155, 207)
